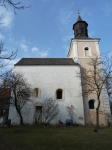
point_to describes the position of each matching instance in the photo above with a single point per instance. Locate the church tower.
(82, 49)
(82, 46)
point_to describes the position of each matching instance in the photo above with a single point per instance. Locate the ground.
(55, 138)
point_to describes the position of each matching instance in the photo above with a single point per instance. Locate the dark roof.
(79, 18)
(46, 61)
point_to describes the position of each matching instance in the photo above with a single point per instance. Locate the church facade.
(56, 78)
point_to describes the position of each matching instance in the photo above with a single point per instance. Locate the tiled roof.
(46, 61)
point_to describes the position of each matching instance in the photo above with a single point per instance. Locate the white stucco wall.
(49, 79)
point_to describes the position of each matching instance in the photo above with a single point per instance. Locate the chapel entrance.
(38, 114)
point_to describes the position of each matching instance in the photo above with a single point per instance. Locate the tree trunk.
(18, 110)
(97, 118)
(21, 118)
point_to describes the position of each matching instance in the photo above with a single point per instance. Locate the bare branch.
(16, 6)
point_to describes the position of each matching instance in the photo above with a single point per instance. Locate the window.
(59, 94)
(36, 92)
(86, 51)
(91, 104)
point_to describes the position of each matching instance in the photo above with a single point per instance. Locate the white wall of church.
(49, 79)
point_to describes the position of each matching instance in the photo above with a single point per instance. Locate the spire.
(79, 18)
(80, 28)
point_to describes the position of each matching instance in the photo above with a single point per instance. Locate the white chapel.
(56, 78)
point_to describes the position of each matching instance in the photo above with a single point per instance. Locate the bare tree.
(71, 111)
(20, 90)
(21, 93)
(50, 109)
(95, 77)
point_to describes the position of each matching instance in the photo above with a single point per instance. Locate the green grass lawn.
(60, 138)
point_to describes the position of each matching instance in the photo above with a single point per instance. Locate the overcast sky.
(45, 29)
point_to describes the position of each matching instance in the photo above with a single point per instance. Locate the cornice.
(85, 40)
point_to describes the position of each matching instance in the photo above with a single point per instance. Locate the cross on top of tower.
(78, 12)
(79, 18)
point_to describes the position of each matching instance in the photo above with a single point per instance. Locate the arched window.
(36, 92)
(91, 104)
(86, 51)
(59, 94)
